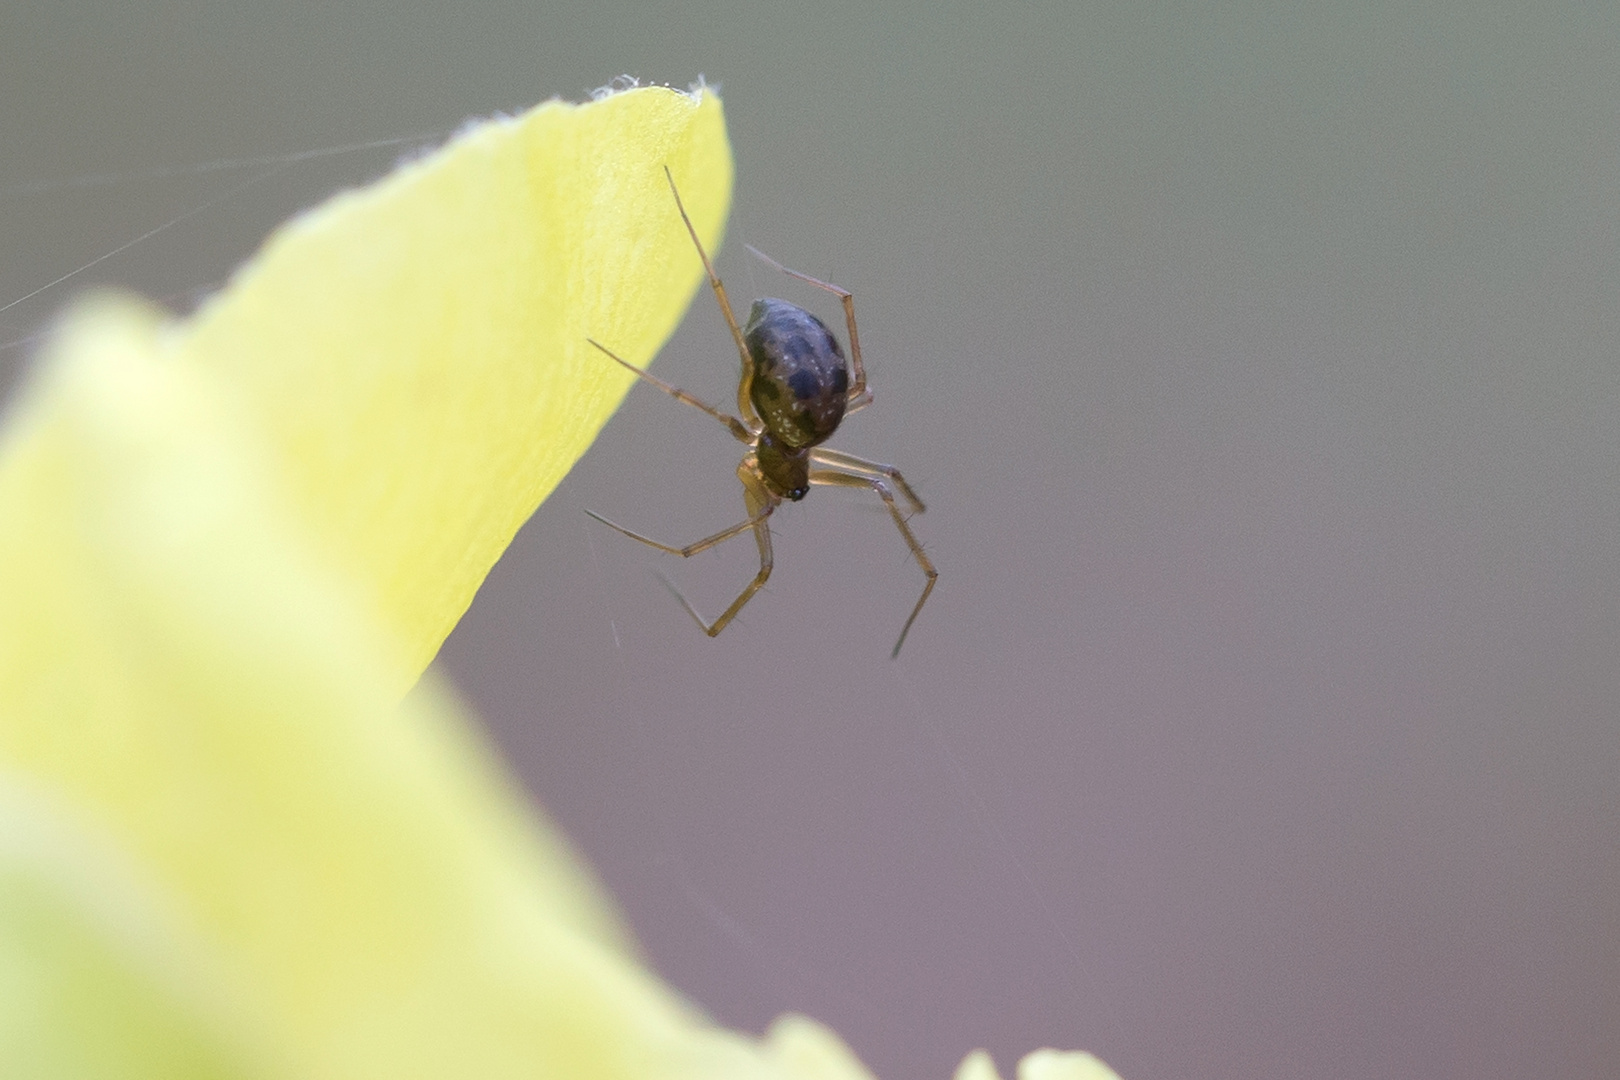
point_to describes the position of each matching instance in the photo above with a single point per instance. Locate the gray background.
(1259, 365)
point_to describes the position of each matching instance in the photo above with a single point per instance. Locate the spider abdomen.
(800, 384)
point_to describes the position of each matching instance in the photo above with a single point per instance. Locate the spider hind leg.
(833, 478)
(760, 503)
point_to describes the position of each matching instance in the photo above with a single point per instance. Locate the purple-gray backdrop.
(1260, 364)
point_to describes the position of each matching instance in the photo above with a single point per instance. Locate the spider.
(794, 391)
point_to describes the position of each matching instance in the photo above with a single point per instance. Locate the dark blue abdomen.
(800, 383)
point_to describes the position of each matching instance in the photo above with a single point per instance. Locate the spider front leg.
(745, 405)
(733, 425)
(880, 484)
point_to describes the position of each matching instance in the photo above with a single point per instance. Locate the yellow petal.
(801, 1048)
(416, 352)
(1045, 1064)
(361, 893)
(92, 981)
(977, 1066)
(1049, 1064)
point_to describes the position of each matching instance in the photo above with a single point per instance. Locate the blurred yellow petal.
(801, 1048)
(1045, 1064)
(977, 1066)
(416, 352)
(92, 983)
(365, 892)
(181, 671)
(1051, 1064)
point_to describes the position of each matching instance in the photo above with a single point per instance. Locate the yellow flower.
(231, 843)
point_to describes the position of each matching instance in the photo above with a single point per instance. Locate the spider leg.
(760, 503)
(736, 427)
(831, 478)
(755, 520)
(859, 396)
(861, 467)
(745, 404)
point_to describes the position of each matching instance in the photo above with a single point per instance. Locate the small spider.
(794, 391)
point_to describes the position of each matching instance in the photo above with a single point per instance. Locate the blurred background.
(1260, 366)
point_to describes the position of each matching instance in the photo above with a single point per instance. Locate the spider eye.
(798, 493)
